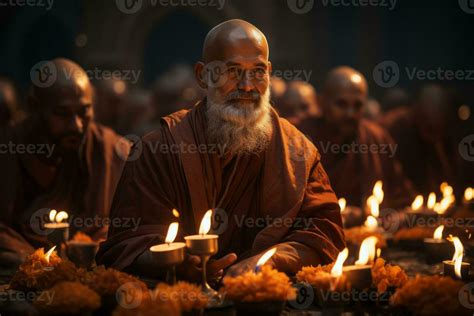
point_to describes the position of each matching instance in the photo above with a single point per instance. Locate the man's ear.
(200, 74)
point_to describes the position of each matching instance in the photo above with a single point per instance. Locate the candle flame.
(468, 194)
(417, 203)
(172, 232)
(342, 204)
(264, 258)
(175, 213)
(336, 270)
(431, 200)
(442, 186)
(458, 254)
(379, 252)
(373, 205)
(205, 226)
(56, 217)
(48, 254)
(438, 233)
(447, 190)
(378, 191)
(371, 222)
(367, 250)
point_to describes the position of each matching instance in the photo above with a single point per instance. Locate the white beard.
(239, 128)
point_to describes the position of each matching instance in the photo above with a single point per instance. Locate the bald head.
(65, 105)
(299, 102)
(233, 35)
(343, 97)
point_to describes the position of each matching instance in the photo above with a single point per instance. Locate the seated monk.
(356, 152)
(299, 102)
(70, 163)
(231, 153)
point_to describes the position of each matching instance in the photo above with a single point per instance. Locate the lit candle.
(58, 229)
(360, 274)
(455, 268)
(468, 195)
(264, 258)
(46, 257)
(342, 204)
(437, 248)
(203, 244)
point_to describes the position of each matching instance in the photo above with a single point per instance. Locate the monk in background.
(355, 151)
(251, 165)
(73, 164)
(299, 102)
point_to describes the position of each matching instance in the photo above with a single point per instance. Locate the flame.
(56, 217)
(379, 252)
(444, 204)
(367, 250)
(431, 201)
(447, 190)
(378, 191)
(442, 186)
(205, 226)
(373, 204)
(48, 254)
(371, 222)
(264, 258)
(438, 233)
(52, 215)
(458, 254)
(342, 204)
(172, 232)
(417, 203)
(468, 194)
(175, 213)
(336, 270)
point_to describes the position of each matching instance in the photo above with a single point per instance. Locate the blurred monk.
(355, 151)
(59, 158)
(236, 156)
(10, 112)
(299, 102)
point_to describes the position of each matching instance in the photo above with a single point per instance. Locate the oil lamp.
(359, 275)
(455, 268)
(58, 230)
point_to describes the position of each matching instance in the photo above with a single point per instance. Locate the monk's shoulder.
(296, 138)
(176, 117)
(109, 140)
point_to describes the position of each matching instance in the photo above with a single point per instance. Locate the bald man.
(59, 158)
(10, 112)
(235, 155)
(355, 151)
(299, 102)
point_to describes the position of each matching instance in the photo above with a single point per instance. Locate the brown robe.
(83, 185)
(353, 174)
(286, 181)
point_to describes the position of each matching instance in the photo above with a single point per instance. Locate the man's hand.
(191, 267)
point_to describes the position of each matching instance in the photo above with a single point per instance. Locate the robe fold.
(253, 195)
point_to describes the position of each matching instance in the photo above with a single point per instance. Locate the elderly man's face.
(68, 118)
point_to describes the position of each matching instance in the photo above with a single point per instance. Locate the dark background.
(423, 34)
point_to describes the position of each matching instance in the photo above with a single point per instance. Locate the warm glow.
(56, 217)
(378, 191)
(336, 270)
(447, 190)
(342, 204)
(468, 194)
(458, 253)
(52, 215)
(48, 254)
(444, 204)
(373, 204)
(379, 252)
(417, 203)
(367, 250)
(264, 258)
(175, 213)
(431, 201)
(205, 223)
(438, 233)
(371, 222)
(172, 232)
